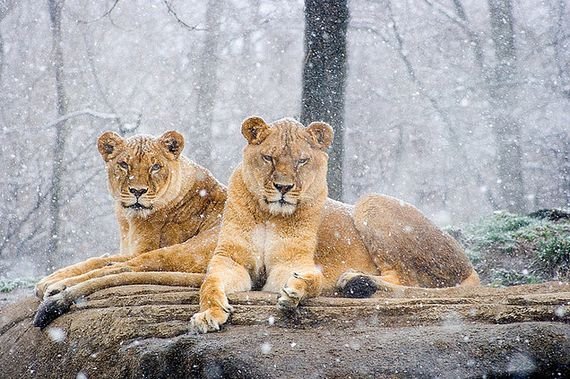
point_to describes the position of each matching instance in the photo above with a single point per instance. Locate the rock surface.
(142, 332)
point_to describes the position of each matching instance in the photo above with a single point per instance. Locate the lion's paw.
(51, 308)
(210, 320)
(354, 284)
(346, 277)
(289, 299)
(54, 289)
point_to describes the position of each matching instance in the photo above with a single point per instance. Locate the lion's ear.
(322, 133)
(109, 144)
(254, 129)
(173, 143)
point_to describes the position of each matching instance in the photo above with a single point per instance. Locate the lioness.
(162, 200)
(276, 212)
(271, 219)
(381, 243)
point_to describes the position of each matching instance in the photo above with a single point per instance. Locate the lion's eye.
(267, 158)
(303, 161)
(123, 165)
(155, 167)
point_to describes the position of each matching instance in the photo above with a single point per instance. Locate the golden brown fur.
(161, 201)
(271, 219)
(381, 243)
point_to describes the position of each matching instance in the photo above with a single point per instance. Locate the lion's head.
(284, 163)
(143, 171)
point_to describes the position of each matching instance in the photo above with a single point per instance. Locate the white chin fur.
(142, 213)
(281, 209)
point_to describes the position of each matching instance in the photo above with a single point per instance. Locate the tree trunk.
(504, 100)
(200, 135)
(324, 75)
(55, 8)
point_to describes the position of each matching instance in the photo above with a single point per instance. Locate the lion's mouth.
(281, 202)
(137, 206)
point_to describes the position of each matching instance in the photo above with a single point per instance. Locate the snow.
(420, 112)
(57, 335)
(266, 348)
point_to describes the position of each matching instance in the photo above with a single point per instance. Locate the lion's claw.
(54, 289)
(211, 319)
(289, 299)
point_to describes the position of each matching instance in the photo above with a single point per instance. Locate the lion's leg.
(471, 281)
(191, 256)
(355, 284)
(224, 276)
(360, 285)
(63, 284)
(76, 269)
(59, 304)
(294, 284)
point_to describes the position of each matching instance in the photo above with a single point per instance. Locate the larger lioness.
(381, 242)
(271, 220)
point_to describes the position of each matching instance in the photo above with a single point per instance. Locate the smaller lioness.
(168, 209)
(271, 219)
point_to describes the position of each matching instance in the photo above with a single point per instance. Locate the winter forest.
(460, 107)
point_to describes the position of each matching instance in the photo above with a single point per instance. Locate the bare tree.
(324, 74)
(504, 100)
(560, 46)
(206, 87)
(55, 8)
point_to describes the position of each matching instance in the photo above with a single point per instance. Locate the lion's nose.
(138, 192)
(283, 188)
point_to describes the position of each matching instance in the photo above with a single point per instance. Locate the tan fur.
(381, 238)
(271, 219)
(183, 202)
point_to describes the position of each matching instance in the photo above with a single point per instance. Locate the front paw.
(41, 287)
(289, 299)
(210, 320)
(40, 290)
(54, 289)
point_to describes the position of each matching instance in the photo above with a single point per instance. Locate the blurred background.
(460, 107)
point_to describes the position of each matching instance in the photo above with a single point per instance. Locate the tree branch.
(86, 111)
(178, 19)
(435, 105)
(107, 13)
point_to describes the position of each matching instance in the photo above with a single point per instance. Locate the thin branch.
(107, 13)
(557, 43)
(461, 20)
(86, 111)
(178, 19)
(6, 7)
(435, 105)
(22, 222)
(98, 85)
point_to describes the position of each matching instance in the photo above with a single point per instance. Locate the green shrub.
(509, 249)
(10, 285)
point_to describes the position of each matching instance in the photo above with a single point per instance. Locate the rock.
(142, 332)
(551, 214)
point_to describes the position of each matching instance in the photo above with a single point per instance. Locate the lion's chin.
(281, 208)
